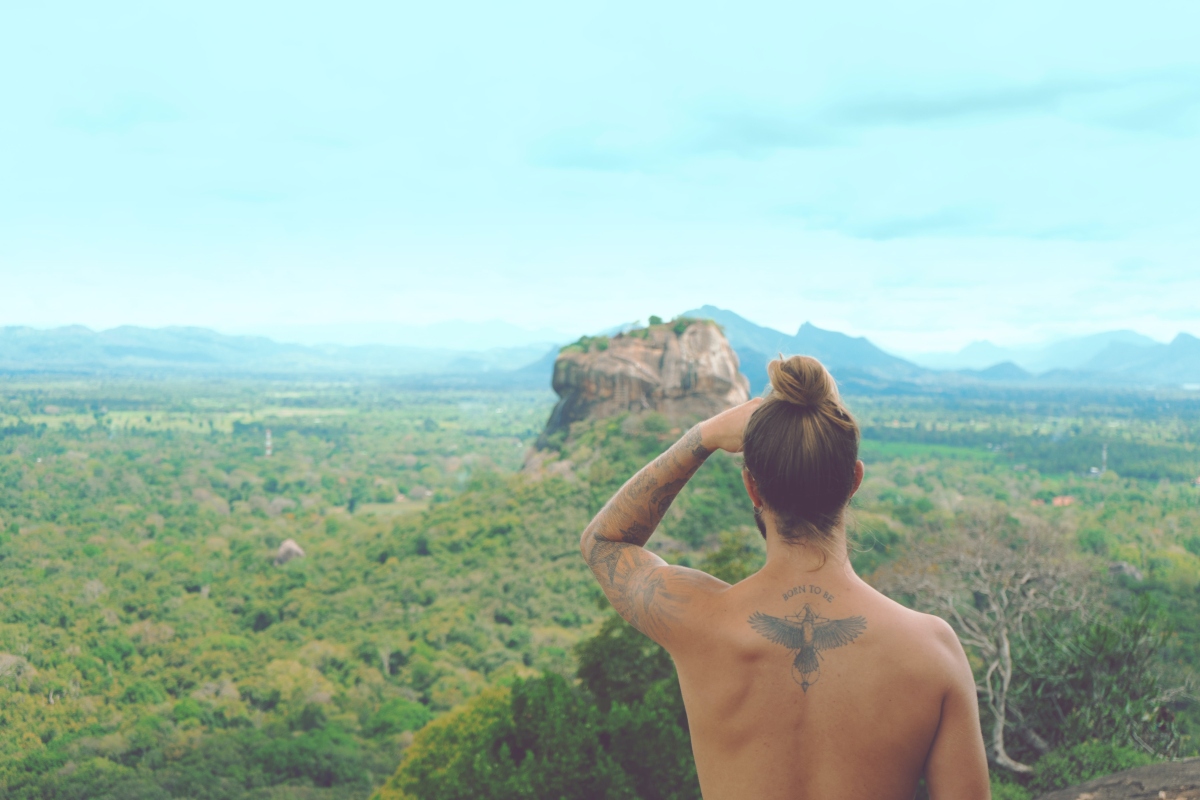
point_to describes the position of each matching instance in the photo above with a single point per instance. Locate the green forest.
(441, 638)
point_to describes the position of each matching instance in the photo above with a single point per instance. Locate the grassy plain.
(151, 647)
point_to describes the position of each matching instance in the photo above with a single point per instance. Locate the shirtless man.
(801, 681)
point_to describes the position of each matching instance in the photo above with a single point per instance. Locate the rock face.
(679, 370)
(287, 551)
(1173, 780)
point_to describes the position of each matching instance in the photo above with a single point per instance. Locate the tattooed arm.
(654, 597)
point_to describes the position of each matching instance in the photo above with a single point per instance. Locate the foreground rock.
(1174, 780)
(681, 369)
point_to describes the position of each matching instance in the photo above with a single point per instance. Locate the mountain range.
(188, 350)
(1073, 353)
(1117, 358)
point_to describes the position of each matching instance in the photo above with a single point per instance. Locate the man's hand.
(725, 430)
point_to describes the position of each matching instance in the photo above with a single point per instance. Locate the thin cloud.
(916, 109)
(1163, 102)
(947, 223)
(122, 116)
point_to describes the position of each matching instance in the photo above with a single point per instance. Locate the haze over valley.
(500, 353)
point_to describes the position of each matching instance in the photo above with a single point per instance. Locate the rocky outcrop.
(1173, 780)
(15, 669)
(288, 551)
(681, 369)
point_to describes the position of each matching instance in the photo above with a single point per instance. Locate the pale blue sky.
(922, 173)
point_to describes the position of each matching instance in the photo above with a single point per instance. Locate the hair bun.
(802, 381)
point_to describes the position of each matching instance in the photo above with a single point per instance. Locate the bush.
(144, 692)
(398, 715)
(1009, 791)
(619, 663)
(460, 755)
(1099, 677)
(1083, 762)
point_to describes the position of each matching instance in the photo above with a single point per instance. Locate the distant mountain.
(1124, 360)
(180, 350)
(455, 335)
(852, 360)
(1005, 371)
(1073, 353)
(1174, 363)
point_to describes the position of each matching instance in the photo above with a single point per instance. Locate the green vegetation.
(585, 344)
(1084, 761)
(441, 620)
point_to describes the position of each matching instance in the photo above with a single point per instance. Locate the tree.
(1094, 677)
(990, 583)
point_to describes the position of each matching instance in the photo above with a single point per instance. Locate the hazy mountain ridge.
(853, 359)
(191, 350)
(448, 335)
(1073, 353)
(1114, 359)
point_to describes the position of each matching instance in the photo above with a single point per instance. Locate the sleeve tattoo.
(639, 584)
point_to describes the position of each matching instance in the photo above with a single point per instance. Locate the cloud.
(886, 108)
(588, 150)
(945, 222)
(941, 223)
(121, 115)
(1164, 102)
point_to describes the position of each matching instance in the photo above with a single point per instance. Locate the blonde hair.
(800, 446)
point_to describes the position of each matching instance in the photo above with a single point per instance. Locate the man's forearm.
(632, 514)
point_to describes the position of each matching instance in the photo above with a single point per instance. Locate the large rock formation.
(681, 369)
(1173, 780)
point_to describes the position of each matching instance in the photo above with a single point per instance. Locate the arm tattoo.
(640, 590)
(650, 597)
(808, 633)
(662, 497)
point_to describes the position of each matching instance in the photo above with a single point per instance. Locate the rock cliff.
(1174, 780)
(685, 368)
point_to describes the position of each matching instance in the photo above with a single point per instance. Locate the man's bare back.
(801, 681)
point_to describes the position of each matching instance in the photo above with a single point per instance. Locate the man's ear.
(751, 489)
(859, 469)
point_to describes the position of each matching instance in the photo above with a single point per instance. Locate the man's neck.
(787, 560)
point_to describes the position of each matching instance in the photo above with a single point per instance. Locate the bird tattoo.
(808, 633)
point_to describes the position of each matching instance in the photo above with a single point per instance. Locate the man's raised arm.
(653, 596)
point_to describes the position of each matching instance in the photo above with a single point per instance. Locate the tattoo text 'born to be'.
(810, 588)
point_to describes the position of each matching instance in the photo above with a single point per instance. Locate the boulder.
(1126, 569)
(287, 551)
(681, 369)
(15, 669)
(1171, 780)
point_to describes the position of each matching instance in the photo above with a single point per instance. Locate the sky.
(925, 174)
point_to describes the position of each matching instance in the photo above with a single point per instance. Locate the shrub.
(144, 692)
(1009, 791)
(1083, 762)
(398, 715)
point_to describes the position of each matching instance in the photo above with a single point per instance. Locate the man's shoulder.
(930, 636)
(938, 644)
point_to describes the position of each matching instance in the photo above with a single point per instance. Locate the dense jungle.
(440, 637)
